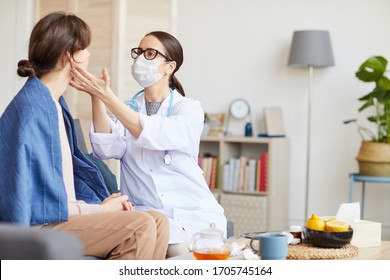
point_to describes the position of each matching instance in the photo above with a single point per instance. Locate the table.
(374, 253)
(355, 177)
(369, 253)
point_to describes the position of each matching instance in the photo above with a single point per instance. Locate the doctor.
(156, 137)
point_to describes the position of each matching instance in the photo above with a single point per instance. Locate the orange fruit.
(315, 223)
(336, 226)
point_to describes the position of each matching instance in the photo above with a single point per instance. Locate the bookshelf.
(253, 211)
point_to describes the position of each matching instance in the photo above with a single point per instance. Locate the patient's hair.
(53, 36)
(174, 52)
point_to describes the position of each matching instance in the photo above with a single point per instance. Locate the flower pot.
(374, 159)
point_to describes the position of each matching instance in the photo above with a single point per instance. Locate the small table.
(368, 253)
(356, 177)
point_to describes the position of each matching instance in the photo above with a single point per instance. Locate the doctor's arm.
(101, 92)
(99, 116)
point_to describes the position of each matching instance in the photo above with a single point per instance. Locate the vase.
(374, 159)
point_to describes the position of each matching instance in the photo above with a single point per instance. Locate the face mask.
(145, 72)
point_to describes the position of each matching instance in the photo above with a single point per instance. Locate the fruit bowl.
(327, 239)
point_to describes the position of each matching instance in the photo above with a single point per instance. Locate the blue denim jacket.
(32, 190)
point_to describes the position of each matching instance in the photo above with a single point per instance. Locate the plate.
(252, 235)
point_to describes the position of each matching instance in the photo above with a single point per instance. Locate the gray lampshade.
(311, 48)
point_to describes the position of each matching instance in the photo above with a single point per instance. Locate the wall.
(16, 20)
(240, 48)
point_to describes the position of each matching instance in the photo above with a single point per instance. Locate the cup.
(273, 246)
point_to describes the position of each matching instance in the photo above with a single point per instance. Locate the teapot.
(210, 244)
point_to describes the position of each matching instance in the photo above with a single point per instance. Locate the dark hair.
(53, 36)
(174, 52)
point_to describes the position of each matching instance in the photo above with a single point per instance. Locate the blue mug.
(273, 246)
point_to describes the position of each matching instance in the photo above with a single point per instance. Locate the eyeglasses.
(149, 54)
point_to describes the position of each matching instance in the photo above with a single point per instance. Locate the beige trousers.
(131, 235)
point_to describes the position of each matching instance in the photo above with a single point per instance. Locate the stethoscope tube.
(131, 103)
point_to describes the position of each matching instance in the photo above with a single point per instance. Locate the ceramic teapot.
(210, 244)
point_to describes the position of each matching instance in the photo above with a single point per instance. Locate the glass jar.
(296, 231)
(210, 244)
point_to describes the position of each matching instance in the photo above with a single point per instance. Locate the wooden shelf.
(274, 201)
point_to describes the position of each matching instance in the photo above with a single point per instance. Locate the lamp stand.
(309, 91)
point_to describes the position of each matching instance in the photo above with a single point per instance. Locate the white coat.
(179, 190)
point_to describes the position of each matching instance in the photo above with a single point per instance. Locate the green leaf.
(369, 103)
(349, 121)
(366, 97)
(378, 93)
(384, 83)
(372, 69)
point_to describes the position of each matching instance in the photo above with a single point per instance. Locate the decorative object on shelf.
(274, 121)
(206, 125)
(248, 130)
(374, 154)
(310, 48)
(215, 123)
(239, 109)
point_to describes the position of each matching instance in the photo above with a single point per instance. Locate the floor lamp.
(310, 48)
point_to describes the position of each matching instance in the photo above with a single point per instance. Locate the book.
(205, 168)
(209, 165)
(218, 174)
(232, 174)
(246, 177)
(236, 169)
(209, 161)
(213, 172)
(226, 177)
(263, 172)
(258, 171)
(241, 176)
(252, 175)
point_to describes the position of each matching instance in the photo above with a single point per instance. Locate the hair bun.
(25, 69)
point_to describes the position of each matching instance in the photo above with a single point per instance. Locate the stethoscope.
(131, 103)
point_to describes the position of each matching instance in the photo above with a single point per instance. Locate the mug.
(273, 246)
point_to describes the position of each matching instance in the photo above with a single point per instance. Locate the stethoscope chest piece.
(131, 103)
(167, 158)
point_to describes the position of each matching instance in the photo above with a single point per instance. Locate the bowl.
(328, 239)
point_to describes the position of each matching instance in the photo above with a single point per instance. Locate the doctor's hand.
(94, 86)
(116, 202)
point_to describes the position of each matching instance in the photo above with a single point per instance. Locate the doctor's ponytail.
(175, 84)
(174, 52)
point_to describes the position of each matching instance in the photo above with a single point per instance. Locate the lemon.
(336, 225)
(315, 223)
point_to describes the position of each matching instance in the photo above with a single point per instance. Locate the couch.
(34, 243)
(21, 243)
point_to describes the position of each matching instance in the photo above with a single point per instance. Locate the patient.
(45, 180)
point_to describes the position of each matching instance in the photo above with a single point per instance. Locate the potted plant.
(374, 154)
